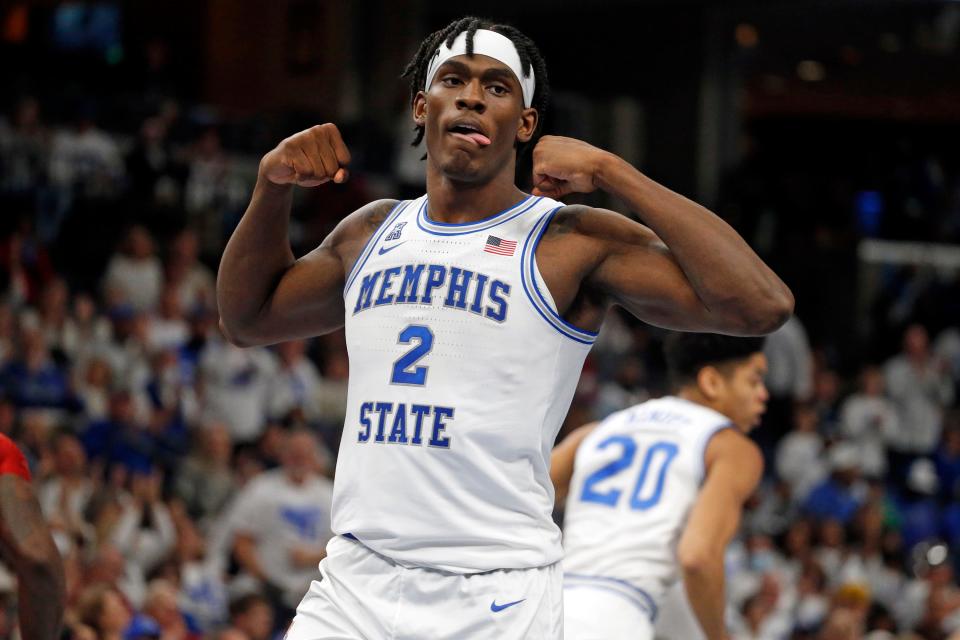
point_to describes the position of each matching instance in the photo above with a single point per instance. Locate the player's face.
(473, 115)
(743, 394)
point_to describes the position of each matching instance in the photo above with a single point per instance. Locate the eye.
(450, 81)
(498, 90)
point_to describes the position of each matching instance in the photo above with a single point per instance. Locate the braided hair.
(530, 56)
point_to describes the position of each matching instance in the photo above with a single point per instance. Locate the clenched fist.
(565, 165)
(308, 158)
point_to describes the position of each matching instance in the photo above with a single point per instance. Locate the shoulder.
(12, 460)
(365, 220)
(733, 449)
(599, 224)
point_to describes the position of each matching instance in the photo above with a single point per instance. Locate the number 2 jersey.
(461, 372)
(635, 479)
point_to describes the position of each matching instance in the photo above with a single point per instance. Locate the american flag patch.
(500, 246)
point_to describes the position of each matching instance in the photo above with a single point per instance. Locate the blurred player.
(468, 314)
(656, 491)
(27, 547)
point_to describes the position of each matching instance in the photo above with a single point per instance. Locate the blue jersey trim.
(706, 443)
(540, 304)
(425, 224)
(645, 600)
(372, 242)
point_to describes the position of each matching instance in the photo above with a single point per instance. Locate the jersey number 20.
(640, 500)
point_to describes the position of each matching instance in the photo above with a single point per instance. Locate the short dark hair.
(530, 56)
(245, 603)
(687, 353)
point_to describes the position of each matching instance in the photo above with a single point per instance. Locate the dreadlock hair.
(687, 353)
(530, 56)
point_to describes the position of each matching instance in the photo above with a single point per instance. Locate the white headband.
(487, 43)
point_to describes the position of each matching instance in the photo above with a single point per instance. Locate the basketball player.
(468, 314)
(656, 491)
(27, 547)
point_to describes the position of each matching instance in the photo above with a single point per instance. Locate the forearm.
(246, 552)
(255, 258)
(41, 598)
(27, 545)
(705, 591)
(728, 276)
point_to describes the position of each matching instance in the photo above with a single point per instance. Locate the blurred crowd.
(188, 482)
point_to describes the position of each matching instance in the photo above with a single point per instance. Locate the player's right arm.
(733, 469)
(563, 457)
(266, 295)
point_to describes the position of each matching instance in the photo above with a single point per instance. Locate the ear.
(710, 382)
(528, 124)
(420, 109)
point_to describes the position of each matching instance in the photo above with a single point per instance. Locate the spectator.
(920, 388)
(65, 495)
(101, 608)
(161, 607)
(190, 278)
(145, 533)
(85, 161)
(867, 419)
(134, 275)
(24, 154)
(252, 616)
(790, 375)
(798, 459)
(34, 379)
(236, 385)
(919, 509)
(204, 481)
(840, 495)
(92, 385)
(282, 522)
(294, 383)
(168, 328)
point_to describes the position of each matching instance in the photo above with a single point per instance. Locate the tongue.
(479, 138)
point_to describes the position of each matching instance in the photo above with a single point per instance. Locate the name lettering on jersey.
(399, 423)
(453, 287)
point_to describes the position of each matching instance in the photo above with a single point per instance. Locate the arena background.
(827, 133)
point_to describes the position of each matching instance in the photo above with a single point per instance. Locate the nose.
(764, 393)
(471, 97)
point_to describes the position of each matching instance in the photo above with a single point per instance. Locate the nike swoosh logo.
(384, 250)
(500, 607)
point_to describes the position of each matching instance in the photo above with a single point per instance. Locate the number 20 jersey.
(635, 479)
(461, 372)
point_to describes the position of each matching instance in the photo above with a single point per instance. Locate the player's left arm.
(27, 545)
(687, 269)
(563, 457)
(734, 466)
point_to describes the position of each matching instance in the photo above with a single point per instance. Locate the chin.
(460, 167)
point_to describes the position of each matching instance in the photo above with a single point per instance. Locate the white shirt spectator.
(236, 386)
(869, 421)
(790, 363)
(799, 461)
(920, 394)
(281, 516)
(137, 281)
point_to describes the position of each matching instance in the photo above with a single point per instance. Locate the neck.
(453, 201)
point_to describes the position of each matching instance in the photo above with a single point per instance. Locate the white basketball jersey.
(635, 479)
(461, 372)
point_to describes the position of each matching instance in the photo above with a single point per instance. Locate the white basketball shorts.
(366, 596)
(593, 610)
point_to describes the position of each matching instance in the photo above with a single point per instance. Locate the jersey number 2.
(403, 370)
(640, 500)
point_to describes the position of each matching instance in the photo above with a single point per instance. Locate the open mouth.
(470, 132)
